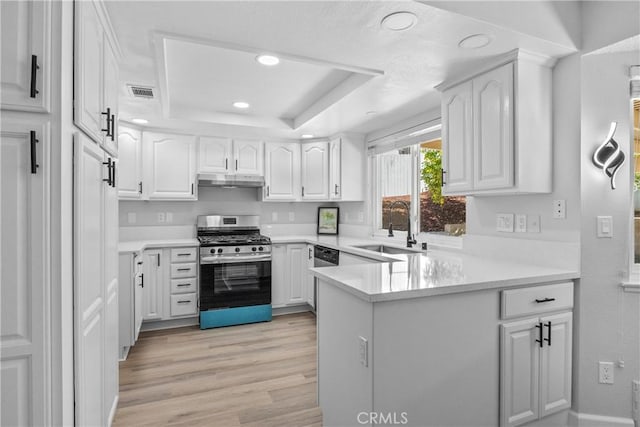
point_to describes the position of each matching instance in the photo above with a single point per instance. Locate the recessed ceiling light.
(307, 136)
(140, 121)
(268, 60)
(399, 21)
(371, 113)
(475, 41)
(241, 104)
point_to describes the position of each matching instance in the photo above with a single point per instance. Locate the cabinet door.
(110, 96)
(129, 163)
(89, 288)
(88, 71)
(23, 278)
(282, 171)
(248, 157)
(315, 171)
(214, 155)
(169, 167)
(25, 64)
(153, 291)
(335, 171)
(310, 286)
(110, 238)
(493, 129)
(138, 304)
(297, 269)
(457, 143)
(279, 278)
(519, 372)
(555, 364)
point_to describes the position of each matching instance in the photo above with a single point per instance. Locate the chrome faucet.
(410, 238)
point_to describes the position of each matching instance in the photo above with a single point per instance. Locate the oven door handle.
(234, 259)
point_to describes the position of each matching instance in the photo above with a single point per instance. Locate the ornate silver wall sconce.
(608, 156)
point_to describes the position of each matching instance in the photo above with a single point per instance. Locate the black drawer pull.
(545, 300)
(34, 160)
(108, 114)
(183, 284)
(184, 254)
(539, 327)
(34, 75)
(548, 339)
(184, 301)
(184, 269)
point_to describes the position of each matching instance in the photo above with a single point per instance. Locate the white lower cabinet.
(311, 294)
(535, 360)
(289, 275)
(153, 279)
(130, 297)
(182, 286)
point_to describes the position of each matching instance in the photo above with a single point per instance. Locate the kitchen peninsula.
(430, 340)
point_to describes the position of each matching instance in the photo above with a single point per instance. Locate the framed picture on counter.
(328, 219)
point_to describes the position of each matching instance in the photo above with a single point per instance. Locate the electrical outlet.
(504, 223)
(161, 217)
(292, 216)
(364, 351)
(559, 209)
(169, 217)
(131, 217)
(605, 372)
(521, 223)
(533, 223)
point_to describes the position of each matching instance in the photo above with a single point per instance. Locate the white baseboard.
(168, 324)
(301, 308)
(577, 419)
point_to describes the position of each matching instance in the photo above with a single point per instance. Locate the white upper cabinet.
(496, 128)
(95, 74)
(248, 157)
(130, 163)
(347, 161)
(170, 166)
(230, 157)
(214, 154)
(457, 130)
(335, 175)
(25, 63)
(282, 171)
(315, 171)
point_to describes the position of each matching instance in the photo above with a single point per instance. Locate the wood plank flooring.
(256, 375)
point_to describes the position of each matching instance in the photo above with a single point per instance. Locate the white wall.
(607, 319)
(481, 211)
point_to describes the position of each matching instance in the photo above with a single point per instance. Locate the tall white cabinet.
(25, 73)
(24, 278)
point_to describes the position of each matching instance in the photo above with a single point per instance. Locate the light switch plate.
(504, 223)
(521, 223)
(533, 223)
(169, 216)
(605, 227)
(161, 217)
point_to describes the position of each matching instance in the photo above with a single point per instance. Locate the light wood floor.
(262, 374)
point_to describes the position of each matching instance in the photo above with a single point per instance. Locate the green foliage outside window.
(431, 174)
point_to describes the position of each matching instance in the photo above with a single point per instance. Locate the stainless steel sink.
(384, 249)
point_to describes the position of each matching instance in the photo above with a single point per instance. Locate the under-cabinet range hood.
(230, 181)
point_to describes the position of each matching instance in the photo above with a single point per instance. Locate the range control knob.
(213, 251)
(253, 249)
(237, 249)
(219, 250)
(261, 249)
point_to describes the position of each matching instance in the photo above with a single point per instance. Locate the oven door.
(235, 284)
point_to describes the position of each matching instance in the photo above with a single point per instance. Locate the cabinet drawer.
(183, 270)
(184, 304)
(536, 299)
(184, 254)
(181, 286)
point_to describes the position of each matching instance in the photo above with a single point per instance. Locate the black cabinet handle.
(192, 189)
(310, 255)
(236, 164)
(267, 191)
(184, 301)
(113, 174)
(108, 114)
(113, 127)
(34, 75)
(539, 301)
(184, 254)
(336, 191)
(142, 280)
(442, 172)
(109, 171)
(548, 339)
(158, 260)
(140, 187)
(34, 160)
(539, 327)
(184, 269)
(226, 164)
(180, 285)
(303, 191)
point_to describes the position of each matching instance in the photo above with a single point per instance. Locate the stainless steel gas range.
(235, 271)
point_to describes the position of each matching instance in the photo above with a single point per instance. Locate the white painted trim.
(577, 419)
(169, 324)
(114, 409)
(631, 287)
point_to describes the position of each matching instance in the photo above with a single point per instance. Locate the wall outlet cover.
(504, 223)
(604, 226)
(559, 209)
(292, 216)
(521, 223)
(605, 372)
(169, 217)
(161, 217)
(533, 223)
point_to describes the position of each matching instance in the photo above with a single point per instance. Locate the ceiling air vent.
(141, 91)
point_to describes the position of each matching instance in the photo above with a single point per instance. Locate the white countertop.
(435, 273)
(140, 245)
